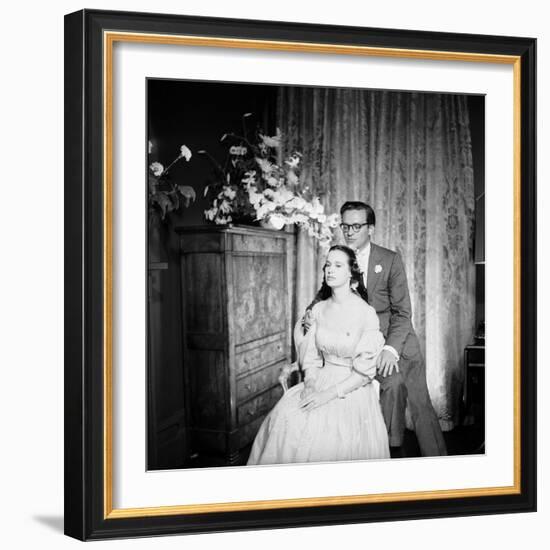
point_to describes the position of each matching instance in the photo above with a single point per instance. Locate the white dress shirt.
(363, 256)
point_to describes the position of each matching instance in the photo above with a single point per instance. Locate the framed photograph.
(300, 274)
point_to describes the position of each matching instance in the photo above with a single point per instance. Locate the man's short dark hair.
(358, 205)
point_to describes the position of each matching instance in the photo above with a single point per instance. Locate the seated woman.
(335, 413)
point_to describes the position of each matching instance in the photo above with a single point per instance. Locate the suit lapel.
(372, 276)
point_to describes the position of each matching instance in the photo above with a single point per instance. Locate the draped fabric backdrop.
(409, 156)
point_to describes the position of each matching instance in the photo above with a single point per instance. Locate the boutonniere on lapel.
(377, 268)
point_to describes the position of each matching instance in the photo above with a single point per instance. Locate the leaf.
(188, 194)
(164, 203)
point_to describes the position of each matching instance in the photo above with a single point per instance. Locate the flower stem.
(214, 162)
(171, 164)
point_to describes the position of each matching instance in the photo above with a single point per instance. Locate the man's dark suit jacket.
(388, 294)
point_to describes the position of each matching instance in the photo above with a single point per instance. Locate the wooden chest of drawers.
(236, 332)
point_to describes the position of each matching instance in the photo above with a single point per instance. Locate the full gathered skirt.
(348, 428)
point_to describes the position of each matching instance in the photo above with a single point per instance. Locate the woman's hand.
(309, 388)
(316, 399)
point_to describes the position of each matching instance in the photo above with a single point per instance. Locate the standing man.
(401, 367)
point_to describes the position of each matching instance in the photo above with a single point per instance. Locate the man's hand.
(307, 320)
(386, 363)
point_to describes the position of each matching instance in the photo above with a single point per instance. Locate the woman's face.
(337, 271)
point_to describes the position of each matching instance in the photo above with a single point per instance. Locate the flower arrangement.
(255, 184)
(164, 193)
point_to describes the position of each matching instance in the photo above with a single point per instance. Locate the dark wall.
(195, 114)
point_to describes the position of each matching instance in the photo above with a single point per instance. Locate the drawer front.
(270, 244)
(265, 354)
(259, 406)
(255, 383)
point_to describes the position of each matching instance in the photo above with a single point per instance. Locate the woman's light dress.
(345, 428)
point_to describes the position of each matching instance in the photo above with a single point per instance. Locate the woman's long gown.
(348, 428)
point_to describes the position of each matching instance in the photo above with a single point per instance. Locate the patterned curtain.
(409, 156)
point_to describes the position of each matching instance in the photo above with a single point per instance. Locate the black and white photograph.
(315, 274)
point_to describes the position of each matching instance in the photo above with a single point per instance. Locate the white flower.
(185, 152)
(274, 141)
(249, 177)
(293, 160)
(297, 202)
(300, 218)
(225, 207)
(254, 197)
(300, 203)
(229, 192)
(285, 194)
(238, 150)
(210, 214)
(333, 220)
(317, 209)
(157, 168)
(264, 165)
(277, 221)
(261, 211)
(274, 182)
(321, 218)
(377, 268)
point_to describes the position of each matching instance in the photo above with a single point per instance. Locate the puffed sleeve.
(309, 357)
(369, 346)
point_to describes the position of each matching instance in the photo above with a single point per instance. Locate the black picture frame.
(87, 495)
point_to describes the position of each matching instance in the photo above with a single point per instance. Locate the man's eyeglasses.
(355, 227)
